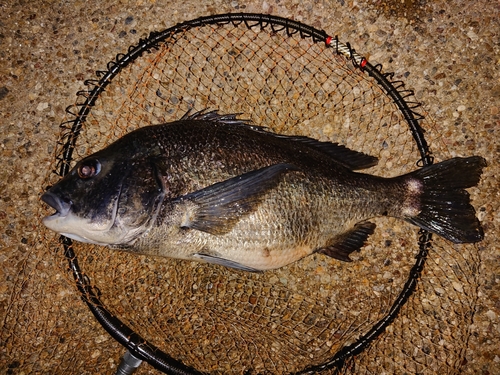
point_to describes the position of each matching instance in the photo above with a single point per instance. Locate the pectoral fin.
(351, 241)
(217, 208)
(224, 262)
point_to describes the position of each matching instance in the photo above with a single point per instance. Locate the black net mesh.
(220, 320)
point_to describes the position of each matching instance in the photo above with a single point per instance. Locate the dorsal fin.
(351, 159)
(214, 116)
(354, 160)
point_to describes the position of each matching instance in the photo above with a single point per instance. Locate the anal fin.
(350, 241)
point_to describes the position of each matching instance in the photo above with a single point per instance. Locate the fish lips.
(62, 207)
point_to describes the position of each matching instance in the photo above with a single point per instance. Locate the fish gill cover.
(294, 80)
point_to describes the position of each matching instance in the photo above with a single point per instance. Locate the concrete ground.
(447, 51)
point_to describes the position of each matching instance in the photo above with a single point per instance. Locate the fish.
(214, 188)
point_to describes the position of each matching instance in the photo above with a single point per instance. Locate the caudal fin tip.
(456, 231)
(478, 163)
(472, 236)
(481, 162)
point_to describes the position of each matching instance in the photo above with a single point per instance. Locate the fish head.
(108, 198)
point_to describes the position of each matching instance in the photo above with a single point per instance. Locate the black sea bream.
(213, 188)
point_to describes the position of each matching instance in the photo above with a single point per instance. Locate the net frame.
(402, 97)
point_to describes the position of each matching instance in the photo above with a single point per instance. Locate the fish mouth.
(65, 222)
(62, 208)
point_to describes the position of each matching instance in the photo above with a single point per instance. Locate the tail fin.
(443, 205)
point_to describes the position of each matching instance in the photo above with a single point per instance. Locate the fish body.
(213, 188)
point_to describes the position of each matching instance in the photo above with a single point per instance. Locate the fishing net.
(402, 306)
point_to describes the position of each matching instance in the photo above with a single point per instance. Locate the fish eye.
(89, 169)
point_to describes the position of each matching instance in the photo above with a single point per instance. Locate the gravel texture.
(448, 52)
